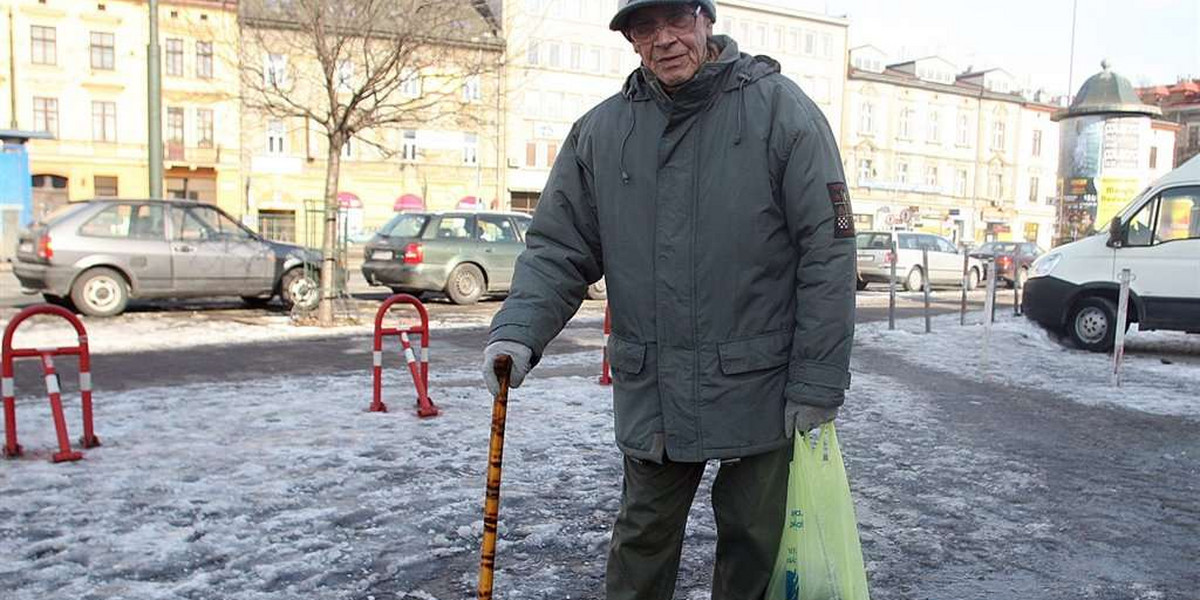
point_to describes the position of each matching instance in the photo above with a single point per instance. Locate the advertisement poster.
(1115, 193)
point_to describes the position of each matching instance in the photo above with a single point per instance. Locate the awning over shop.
(348, 200)
(472, 203)
(408, 202)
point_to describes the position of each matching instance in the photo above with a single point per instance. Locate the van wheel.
(1093, 324)
(915, 280)
(100, 292)
(466, 284)
(296, 288)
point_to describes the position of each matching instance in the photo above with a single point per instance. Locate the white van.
(1074, 288)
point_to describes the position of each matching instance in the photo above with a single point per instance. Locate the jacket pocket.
(760, 352)
(625, 356)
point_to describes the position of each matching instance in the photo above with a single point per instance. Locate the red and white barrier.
(605, 376)
(420, 374)
(8, 387)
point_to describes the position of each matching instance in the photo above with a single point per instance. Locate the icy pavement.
(284, 487)
(1021, 352)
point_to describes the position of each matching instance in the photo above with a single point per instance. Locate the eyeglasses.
(679, 23)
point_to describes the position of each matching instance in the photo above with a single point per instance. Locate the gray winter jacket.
(720, 220)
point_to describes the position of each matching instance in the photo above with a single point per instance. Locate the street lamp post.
(154, 106)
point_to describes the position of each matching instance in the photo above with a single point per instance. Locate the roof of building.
(1107, 93)
(959, 87)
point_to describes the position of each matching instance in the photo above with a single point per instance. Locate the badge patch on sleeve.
(843, 215)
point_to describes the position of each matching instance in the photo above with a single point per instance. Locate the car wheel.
(1093, 324)
(298, 288)
(915, 280)
(466, 284)
(100, 292)
(973, 279)
(860, 284)
(597, 291)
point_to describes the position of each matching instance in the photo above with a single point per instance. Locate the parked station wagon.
(98, 254)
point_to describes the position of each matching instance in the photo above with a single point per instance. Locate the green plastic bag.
(819, 554)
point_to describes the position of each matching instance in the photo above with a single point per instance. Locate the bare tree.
(356, 69)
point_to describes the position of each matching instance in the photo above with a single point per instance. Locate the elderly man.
(710, 194)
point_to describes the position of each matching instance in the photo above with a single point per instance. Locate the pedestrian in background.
(710, 195)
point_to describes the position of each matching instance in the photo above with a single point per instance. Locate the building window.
(1193, 137)
(279, 225)
(275, 73)
(964, 130)
(866, 121)
(810, 43)
(552, 58)
(576, 57)
(1033, 189)
(531, 152)
(906, 123)
(44, 50)
(174, 56)
(175, 142)
(411, 84)
(473, 89)
(1153, 157)
(532, 54)
(1037, 142)
(960, 182)
(105, 186)
(998, 135)
(45, 115)
(408, 145)
(996, 186)
(551, 154)
(204, 60)
(866, 170)
(276, 137)
(901, 172)
(931, 176)
(470, 149)
(933, 127)
(204, 128)
(827, 45)
(104, 121)
(103, 51)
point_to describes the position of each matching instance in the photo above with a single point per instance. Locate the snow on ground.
(285, 488)
(157, 330)
(1022, 353)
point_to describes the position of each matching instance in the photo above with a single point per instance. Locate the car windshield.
(873, 241)
(404, 226)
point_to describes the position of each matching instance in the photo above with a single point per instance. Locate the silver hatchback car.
(98, 254)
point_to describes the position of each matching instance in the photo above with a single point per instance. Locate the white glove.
(806, 417)
(521, 357)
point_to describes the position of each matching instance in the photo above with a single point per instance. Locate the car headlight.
(1045, 264)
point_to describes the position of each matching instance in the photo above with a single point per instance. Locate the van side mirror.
(1114, 232)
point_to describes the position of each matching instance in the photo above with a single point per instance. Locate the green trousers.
(749, 498)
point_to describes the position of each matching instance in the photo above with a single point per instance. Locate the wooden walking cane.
(491, 504)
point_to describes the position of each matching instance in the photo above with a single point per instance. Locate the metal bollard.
(962, 315)
(1016, 283)
(927, 286)
(892, 287)
(1126, 277)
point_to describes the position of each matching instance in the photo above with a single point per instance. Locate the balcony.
(176, 152)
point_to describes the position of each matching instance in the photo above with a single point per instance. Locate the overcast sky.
(1148, 41)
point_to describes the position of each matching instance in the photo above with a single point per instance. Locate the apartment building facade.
(80, 76)
(962, 154)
